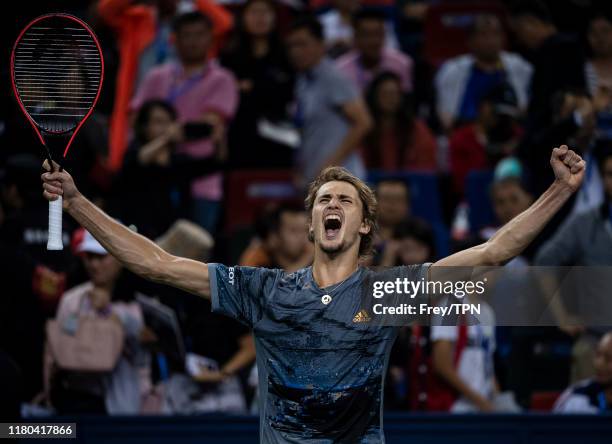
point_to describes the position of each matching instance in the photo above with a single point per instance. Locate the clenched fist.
(568, 166)
(58, 183)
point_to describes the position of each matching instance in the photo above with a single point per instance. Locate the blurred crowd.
(213, 118)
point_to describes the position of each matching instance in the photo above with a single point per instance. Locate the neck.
(328, 270)
(370, 62)
(260, 46)
(387, 120)
(547, 32)
(109, 287)
(193, 67)
(346, 15)
(487, 65)
(603, 60)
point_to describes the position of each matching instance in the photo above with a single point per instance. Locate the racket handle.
(55, 225)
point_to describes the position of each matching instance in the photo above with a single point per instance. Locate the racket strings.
(57, 73)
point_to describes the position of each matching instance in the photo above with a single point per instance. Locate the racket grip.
(55, 225)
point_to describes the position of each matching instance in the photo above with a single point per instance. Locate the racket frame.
(37, 129)
(55, 207)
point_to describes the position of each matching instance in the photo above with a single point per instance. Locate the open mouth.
(332, 224)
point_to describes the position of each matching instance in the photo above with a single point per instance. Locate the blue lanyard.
(177, 91)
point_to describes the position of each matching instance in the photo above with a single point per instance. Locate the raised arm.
(517, 234)
(134, 251)
(356, 113)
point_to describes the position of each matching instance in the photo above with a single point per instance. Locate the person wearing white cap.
(119, 392)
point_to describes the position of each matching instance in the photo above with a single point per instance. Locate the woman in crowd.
(399, 140)
(153, 184)
(257, 58)
(598, 68)
(107, 295)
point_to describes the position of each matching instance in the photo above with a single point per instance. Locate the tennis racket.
(57, 70)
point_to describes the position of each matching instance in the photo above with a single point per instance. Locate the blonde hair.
(366, 195)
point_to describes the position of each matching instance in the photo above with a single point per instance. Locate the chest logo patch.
(362, 316)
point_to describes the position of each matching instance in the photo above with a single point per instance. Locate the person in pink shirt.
(201, 91)
(370, 56)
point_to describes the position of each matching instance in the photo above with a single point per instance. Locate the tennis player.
(321, 364)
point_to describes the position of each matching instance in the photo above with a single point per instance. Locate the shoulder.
(162, 71)
(456, 63)
(579, 398)
(398, 57)
(511, 60)
(346, 60)
(329, 18)
(77, 292)
(221, 74)
(587, 387)
(585, 219)
(71, 299)
(462, 134)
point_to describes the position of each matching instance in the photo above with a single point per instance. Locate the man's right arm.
(135, 252)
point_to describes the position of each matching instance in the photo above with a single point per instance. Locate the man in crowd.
(584, 240)
(283, 240)
(144, 39)
(370, 56)
(338, 30)
(393, 206)
(557, 58)
(494, 135)
(462, 81)
(330, 112)
(200, 91)
(593, 395)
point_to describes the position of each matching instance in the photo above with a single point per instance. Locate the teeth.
(332, 216)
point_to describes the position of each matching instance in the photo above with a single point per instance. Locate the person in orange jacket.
(144, 40)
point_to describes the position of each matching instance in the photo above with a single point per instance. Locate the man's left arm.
(357, 114)
(517, 234)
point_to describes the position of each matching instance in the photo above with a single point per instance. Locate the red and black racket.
(57, 71)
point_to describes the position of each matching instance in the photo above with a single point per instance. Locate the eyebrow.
(340, 196)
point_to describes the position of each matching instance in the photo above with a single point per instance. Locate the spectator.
(598, 69)
(330, 112)
(74, 392)
(200, 91)
(283, 240)
(393, 206)
(464, 360)
(583, 241)
(412, 243)
(258, 59)
(558, 59)
(481, 144)
(213, 385)
(399, 140)
(573, 121)
(462, 81)
(153, 171)
(144, 33)
(338, 27)
(509, 198)
(593, 395)
(370, 56)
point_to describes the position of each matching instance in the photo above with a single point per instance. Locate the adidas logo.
(362, 316)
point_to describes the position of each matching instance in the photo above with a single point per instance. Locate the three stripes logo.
(362, 316)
